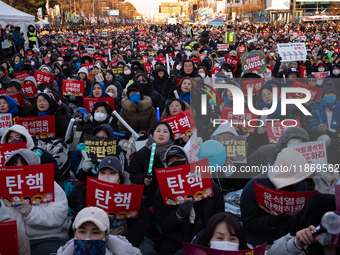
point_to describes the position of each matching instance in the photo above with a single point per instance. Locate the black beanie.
(135, 87)
(53, 104)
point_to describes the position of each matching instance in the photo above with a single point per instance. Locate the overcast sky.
(148, 5)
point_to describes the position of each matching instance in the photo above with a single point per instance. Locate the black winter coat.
(159, 83)
(157, 99)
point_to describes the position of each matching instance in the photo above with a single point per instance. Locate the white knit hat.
(290, 159)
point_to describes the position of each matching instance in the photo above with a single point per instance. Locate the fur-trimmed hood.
(141, 106)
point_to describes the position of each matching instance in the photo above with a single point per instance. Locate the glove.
(184, 209)
(72, 97)
(279, 221)
(87, 165)
(24, 208)
(143, 137)
(322, 128)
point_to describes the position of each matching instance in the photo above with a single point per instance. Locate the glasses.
(144, 80)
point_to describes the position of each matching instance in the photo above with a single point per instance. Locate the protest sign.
(180, 183)
(43, 78)
(89, 102)
(18, 98)
(152, 53)
(88, 65)
(147, 67)
(213, 72)
(29, 55)
(242, 49)
(335, 241)
(314, 91)
(33, 184)
(181, 124)
(9, 238)
(142, 48)
(145, 59)
(117, 70)
(29, 89)
(276, 202)
(232, 61)
(100, 147)
(303, 71)
(256, 84)
(314, 152)
(119, 200)
(41, 127)
(21, 76)
(192, 147)
(194, 249)
(73, 87)
(235, 147)
(254, 61)
(321, 75)
(275, 129)
(46, 61)
(222, 47)
(5, 122)
(6, 150)
(240, 120)
(292, 51)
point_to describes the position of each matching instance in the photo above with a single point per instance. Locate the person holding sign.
(8, 105)
(110, 170)
(325, 121)
(261, 225)
(45, 224)
(91, 228)
(83, 76)
(161, 134)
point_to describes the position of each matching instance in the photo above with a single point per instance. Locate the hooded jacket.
(31, 79)
(87, 90)
(46, 220)
(158, 83)
(266, 154)
(114, 82)
(13, 108)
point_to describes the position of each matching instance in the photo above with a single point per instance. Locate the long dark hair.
(233, 226)
(154, 126)
(14, 160)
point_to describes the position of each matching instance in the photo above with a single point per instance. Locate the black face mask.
(178, 163)
(213, 55)
(27, 66)
(17, 141)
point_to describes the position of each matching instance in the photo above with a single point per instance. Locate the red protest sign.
(223, 47)
(29, 55)
(194, 249)
(21, 76)
(98, 57)
(65, 48)
(83, 39)
(29, 89)
(110, 46)
(275, 129)
(321, 75)
(114, 63)
(40, 127)
(215, 70)
(242, 49)
(182, 123)
(9, 238)
(179, 183)
(314, 91)
(90, 101)
(303, 71)
(122, 200)
(33, 181)
(18, 97)
(43, 78)
(147, 67)
(276, 202)
(6, 150)
(240, 120)
(196, 60)
(96, 44)
(162, 59)
(73, 87)
(232, 61)
(313, 152)
(87, 66)
(142, 48)
(106, 60)
(5, 123)
(46, 61)
(256, 84)
(145, 59)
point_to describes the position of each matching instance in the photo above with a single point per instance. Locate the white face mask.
(217, 65)
(60, 62)
(48, 55)
(178, 67)
(127, 72)
(110, 94)
(32, 63)
(294, 140)
(272, 54)
(321, 69)
(202, 75)
(224, 245)
(228, 74)
(99, 116)
(336, 72)
(7, 32)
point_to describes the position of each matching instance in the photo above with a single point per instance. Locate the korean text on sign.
(73, 87)
(6, 150)
(314, 91)
(181, 183)
(32, 184)
(5, 122)
(100, 147)
(182, 124)
(40, 127)
(255, 84)
(314, 152)
(240, 120)
(275, 129)
(235, 147)
(276, 202)
(89, 102)
(43, 78)
(121, 200)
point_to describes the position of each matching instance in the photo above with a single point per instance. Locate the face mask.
(329, 99)
(110, 179)
(178, 163)
(32, 63)
(60, 62)
(110, 94)
(99, 116)
(294, 140)
(48, 55)
(127, 72)
(217, 65)
(321, 69)
(91, 247)
(224, 245)
(121, 49)
(202, 75)
(74, 48)
(7, 32)
(228, 75)
(135, 98)
(178, 67)
(272, 54)
(213, 55)
(336, 72)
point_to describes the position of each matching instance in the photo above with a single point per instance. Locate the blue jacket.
(17, 38)
(254, 218)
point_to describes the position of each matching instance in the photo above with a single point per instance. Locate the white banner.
(314, 152)
(278, 5)
(292, 51)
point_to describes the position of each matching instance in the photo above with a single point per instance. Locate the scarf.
(335, 123)
(161, 148)
(185, 96)
(40, 114)
(276, 113)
